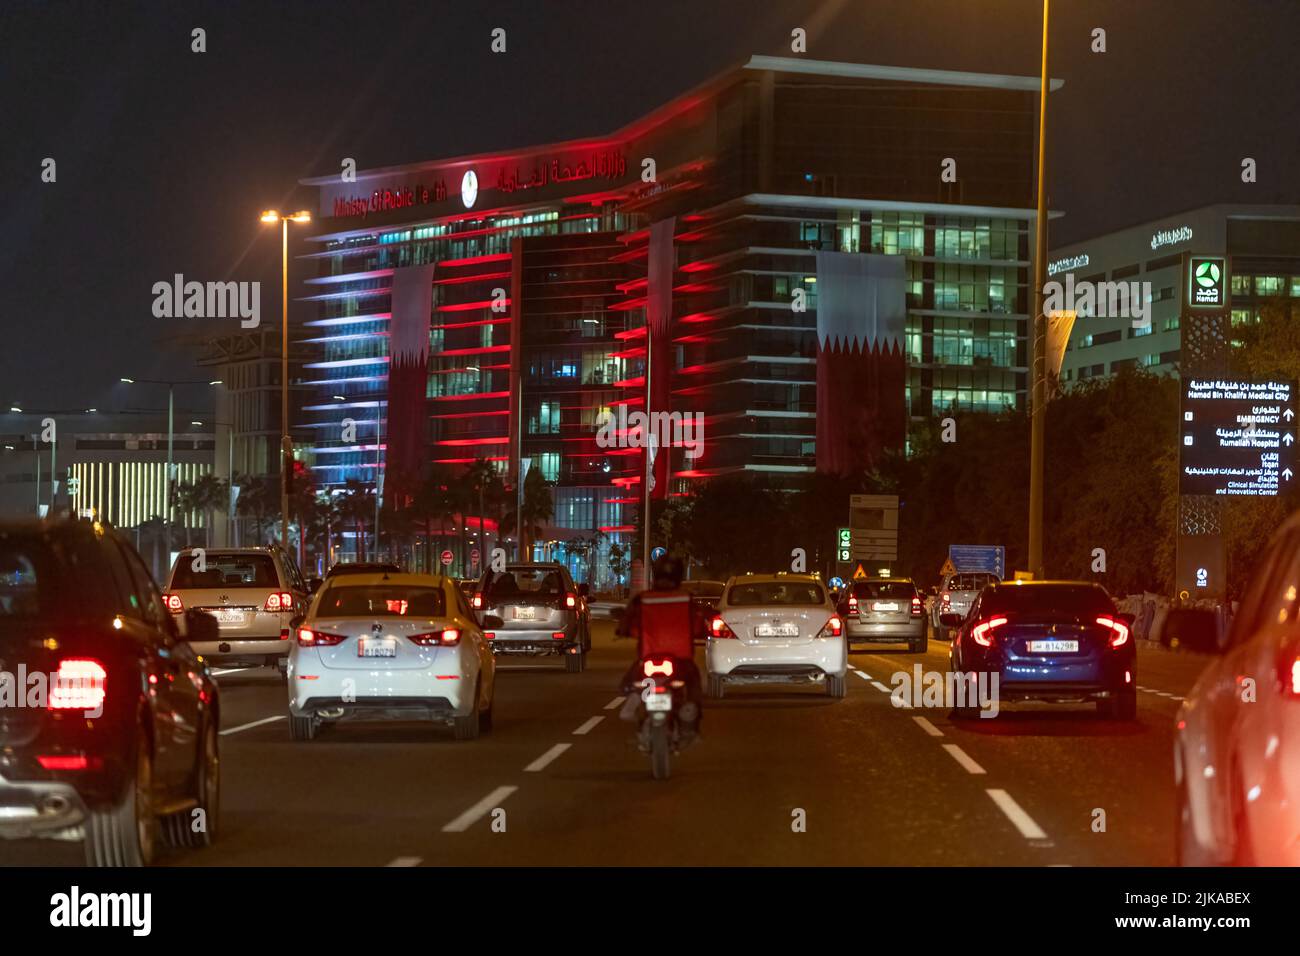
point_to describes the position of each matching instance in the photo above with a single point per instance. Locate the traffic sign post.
(1237, 437)
(978, 557)
(447, 557)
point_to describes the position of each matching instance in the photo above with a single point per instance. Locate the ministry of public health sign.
(1237, 438)
(1207, 282)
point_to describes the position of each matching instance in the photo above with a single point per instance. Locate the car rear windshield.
(26, 591)
(903, 590)
(972, 581)
(381, 600)
(522, 584)
(704, 588)
(776, 593)
(364, 569)
(51, 577)
(225, 571)
(1081, 599)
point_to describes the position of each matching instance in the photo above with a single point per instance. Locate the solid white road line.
(616, 702)
(1022, 821)
(963, 758)
(928, 727)
(474, 813)
(256, 723)
(407, 861)
(542, 762)
(586, 727)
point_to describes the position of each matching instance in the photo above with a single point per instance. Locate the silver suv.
(958, 593)
(534, 610)
(252, 592)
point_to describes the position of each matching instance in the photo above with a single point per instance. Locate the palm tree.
(207, 494)
(537, 508)
(259, 499)
(356, 504)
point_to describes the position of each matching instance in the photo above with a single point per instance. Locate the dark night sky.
(165, 157)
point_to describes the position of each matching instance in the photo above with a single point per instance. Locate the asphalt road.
(781, 777)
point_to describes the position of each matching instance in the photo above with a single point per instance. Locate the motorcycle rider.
(663, 621)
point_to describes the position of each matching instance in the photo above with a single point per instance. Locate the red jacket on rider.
(663, 624)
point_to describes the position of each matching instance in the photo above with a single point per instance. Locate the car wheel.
(179, 827)
(940, 634)
(485, 718)
(467, 727)
(717, 690)
(836, 687)
(1189, 852)
(124, 834)
(1122, 706)
(920, 647)
(303, 728)
(573, 662)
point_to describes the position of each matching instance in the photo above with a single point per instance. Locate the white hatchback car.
(390, 647)
(1237, 744)
(776, 628)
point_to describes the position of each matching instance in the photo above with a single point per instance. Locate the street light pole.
(286, 444)
(1038, 371)
(167, 478)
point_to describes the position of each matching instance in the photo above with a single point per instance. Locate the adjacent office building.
(1261, 247)
(815, 251)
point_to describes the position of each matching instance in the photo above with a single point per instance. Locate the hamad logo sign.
(1208, 284)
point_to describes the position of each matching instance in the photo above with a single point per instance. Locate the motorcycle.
(664, 716)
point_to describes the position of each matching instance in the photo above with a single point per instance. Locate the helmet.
(667, 572)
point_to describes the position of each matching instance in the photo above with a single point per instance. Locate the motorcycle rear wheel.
(661, 752)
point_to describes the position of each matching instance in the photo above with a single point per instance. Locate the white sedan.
(1237, 746)
(390, 647)
(776, 628)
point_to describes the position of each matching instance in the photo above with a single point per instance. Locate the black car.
(109, 722)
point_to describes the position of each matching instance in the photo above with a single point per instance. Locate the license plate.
(776, 630)
(377, 647)
(229, 617)
(884, 606)
(659, 702)
(525, 613)
(1052, 647)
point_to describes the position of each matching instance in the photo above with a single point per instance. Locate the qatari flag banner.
(408, 371)
(660, 267)
(861, 374)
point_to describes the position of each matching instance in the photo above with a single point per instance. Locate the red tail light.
(983, 631)
(1119, 630)
(279, 601)
(1295, 677)
(174, 603)
(557, 635)
(310, 638)
(834, 627)
(916, 607)
(570, 600)
(665, 667)
(1288, 670)
(853, 605)
(718, 628)
(945, 601)
(65, 761)
(79, 684)
(446, 638)
(477, 600)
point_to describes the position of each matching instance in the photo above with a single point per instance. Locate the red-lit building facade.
(496, 306)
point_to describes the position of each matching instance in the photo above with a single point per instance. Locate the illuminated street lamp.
(270, 217)
(1038, 366)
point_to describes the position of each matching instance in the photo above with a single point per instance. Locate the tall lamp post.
(1038, 371)
(171, 435)
(270, 217)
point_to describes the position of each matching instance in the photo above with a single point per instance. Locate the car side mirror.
(491, 621)
(296, 621)
(201, 627)
(584, 589)
(951, 620)
(313, 585)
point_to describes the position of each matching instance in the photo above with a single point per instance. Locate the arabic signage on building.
(1069, 263)
(1237, 438)
(1207, 282)
(504, 176)
(1171, 237)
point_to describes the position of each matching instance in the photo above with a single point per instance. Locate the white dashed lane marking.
(963, 758)
(880, 687)
(1022, 821)
(407, 861)
(256, 723)
(542, 762)
(928, 727)
(616, 702)
(586, 727)
(476, 812)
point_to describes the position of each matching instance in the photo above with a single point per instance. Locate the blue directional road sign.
(979, 557)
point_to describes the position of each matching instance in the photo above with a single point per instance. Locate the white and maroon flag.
(408, 373)
(861, 371)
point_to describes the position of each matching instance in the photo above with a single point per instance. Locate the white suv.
(252, 592)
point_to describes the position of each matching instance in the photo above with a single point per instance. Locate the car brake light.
(982, 632)
(718, 628)
(570, 600)
(665, 667)
(490, 635)
(65, 761)
(916, 606)
(1295, 677)
(174, 603)
(278, 601)
(1119, 630)
(477, 600)
(310, 638)
(1288, 670)
(447, 637)
(834, 627)
(853, 605)
(79, 684)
